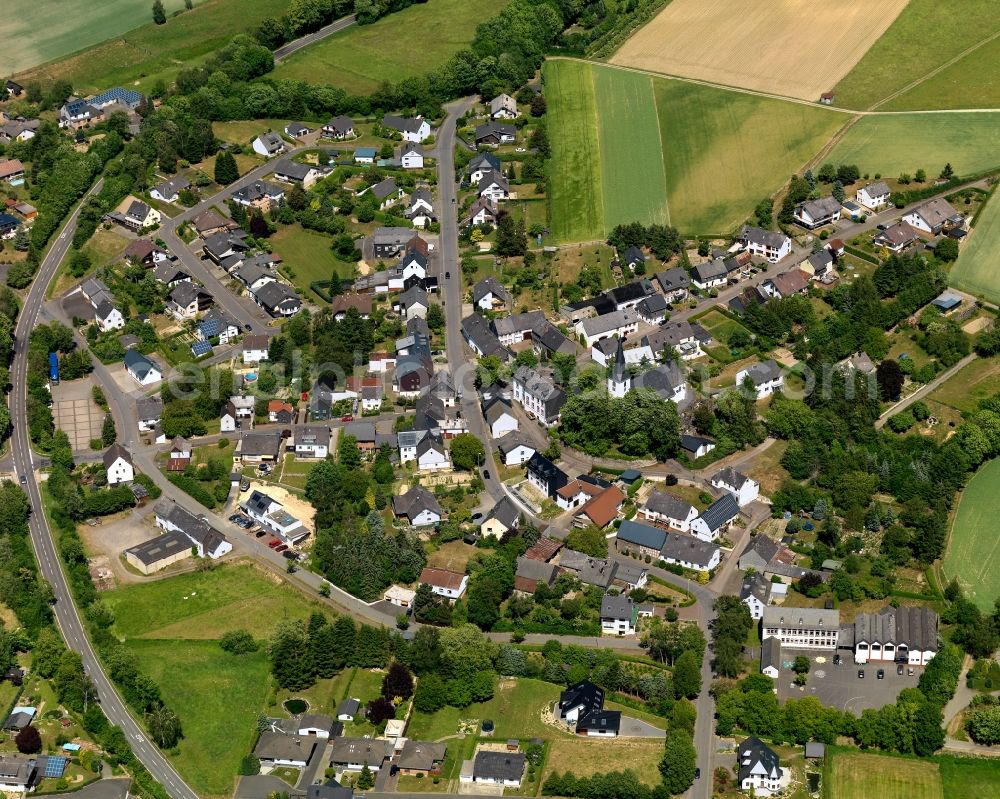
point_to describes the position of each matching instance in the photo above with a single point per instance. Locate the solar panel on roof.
(200, 348)
(210, 328)
(55, 767)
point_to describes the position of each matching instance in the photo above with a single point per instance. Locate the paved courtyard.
(840, 686)
(75, 411)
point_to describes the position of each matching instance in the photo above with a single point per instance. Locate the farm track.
(936, 71)
(785, 98)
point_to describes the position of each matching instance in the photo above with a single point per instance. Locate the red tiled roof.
(442, 578)
(544, 549)
(178, 464)
(603, 509)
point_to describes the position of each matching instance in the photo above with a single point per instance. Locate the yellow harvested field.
(792, 48)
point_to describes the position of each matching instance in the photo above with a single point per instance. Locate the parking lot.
(74, 411)
(840, 686)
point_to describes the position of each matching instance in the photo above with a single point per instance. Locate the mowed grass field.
(410, 42)
(897, 143)
(860, 776)
(36, 31)
(973, 553)
(307, 257)
(926, 36)
(976, 381)
(173, 626)
(971, 82)
(790, 49)
(639, 148)
(576, 193)
(631, 165)
(585, 757)
(144, 54)
(977, 269)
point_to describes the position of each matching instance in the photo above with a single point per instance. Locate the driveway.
(636, 728)
(840, 686)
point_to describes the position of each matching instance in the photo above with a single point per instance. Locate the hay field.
(793, 48)
(971, 82)
(725, 151)
(635, 148)
(896, 143)
(973, 553)
(36, 31)
(977, 269)
(359, 59)
(927, 36)
(859, 776)
(575, 193)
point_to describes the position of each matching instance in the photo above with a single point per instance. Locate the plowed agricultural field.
(793, 48)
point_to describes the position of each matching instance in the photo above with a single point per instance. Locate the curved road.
(67, 616)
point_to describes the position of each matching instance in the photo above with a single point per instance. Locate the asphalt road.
(460, 364)
(287, 49)
(67, 616)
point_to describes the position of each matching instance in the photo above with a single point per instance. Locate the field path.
(771, 96)
(924, 390)
(935, 71)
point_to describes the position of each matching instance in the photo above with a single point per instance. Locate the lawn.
(979, 380)
(144, 55)
(925, 36)
(976, 269)
(296, 472)
(720, 326)
(203, 605)
(631, 163)
(575, 188)
(359, 59)
(724, 151)
(307, 257)
(586, 757)
(973, 553)
(243, 132)
(516, 710)
(859, 776)
(901, 143)
(217, 696)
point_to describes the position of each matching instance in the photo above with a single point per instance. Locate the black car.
(880, 674)
(899, 669)
(861, 674)
(24, 480)
(697, 773)
(486, 474)
(447, 275)
(837, 660)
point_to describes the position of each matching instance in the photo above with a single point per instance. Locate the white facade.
(713, 561)
(113, 320)
(120, 471)
(673, 522)
(505, 423)
(431, 460)
(744, 492)
(616, 627)
(801, 628)
(451, 593)
(518, 455)
(227, 422)
(764, 389)
(152, 376)
(873, 198)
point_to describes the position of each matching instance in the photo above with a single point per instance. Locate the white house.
(716, 518)
(411, 129)
(141, 368)
(255, 348)
(503, 106)
(739, 485)
(493, 186)
(754, 594)
(269, 144)
(496, 768)
(227, 418)
(418, 507)
(449, 584)
(411, 156)
(765, 377)
(499, 417)
(759, 769)
(666, 509)
(169, 191)
(617, 323)
(690, 552)
(272, 516)
(312, 441)
(618, 615)
(431, 455)
(812, 214)
(118, 465)
(934, 216)
(873, 195)
(767, 244)
(208, 541)
(538, 396)
(515, 449)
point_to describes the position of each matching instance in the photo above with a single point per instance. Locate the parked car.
(909, 672)
(837, 660)
(274, 544)
(347, 418)
(281, 547)
(861, 674)
(899, 669)
(244, 484)
(260, 533)
(880, 674)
